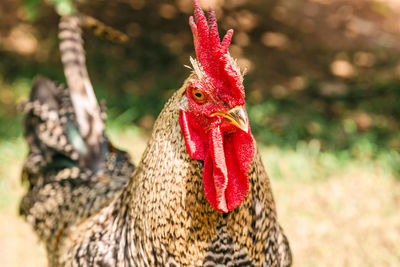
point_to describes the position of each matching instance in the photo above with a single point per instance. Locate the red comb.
(206, 36)
(211, 52)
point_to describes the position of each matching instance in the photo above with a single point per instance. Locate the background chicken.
(200, 195)
(72, 169)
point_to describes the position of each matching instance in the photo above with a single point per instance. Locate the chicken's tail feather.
(86, 108)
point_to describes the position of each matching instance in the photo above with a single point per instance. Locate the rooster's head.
(214, 120)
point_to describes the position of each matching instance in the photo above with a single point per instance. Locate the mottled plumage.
(64, 186)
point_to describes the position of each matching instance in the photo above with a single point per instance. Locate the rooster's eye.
(198, 95)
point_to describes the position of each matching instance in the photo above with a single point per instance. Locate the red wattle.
(239, 153)
(227, 157)
(215, 173)
(195, 145)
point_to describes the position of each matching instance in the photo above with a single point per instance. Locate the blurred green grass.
(311, 153)
(12, 153)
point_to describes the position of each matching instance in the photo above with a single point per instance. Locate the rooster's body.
(162, 217)
(200, 195)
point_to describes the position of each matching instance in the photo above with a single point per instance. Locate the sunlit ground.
(345, 215)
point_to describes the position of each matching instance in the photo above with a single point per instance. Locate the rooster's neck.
(166, 194)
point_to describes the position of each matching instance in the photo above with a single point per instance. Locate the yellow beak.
(236, 116)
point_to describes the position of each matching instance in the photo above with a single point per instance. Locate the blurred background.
(323, 94)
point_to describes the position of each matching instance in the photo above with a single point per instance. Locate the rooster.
(200, 195)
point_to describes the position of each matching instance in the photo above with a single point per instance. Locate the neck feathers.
(166, 192)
